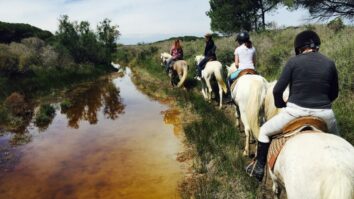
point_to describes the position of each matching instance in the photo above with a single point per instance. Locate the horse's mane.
(232, 68)
(199, 58)
(269, 106)
(166, 55)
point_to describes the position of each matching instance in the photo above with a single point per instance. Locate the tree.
(230, 16)
(325, 9)
(108, 35)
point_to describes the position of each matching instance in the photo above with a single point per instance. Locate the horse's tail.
(184, 76)
(255, 102)
(337, 185)
(220, 79)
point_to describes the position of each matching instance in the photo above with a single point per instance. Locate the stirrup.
(250, 168)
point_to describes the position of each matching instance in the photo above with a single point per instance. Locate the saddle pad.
(277, 144)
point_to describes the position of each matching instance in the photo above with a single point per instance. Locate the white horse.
(180, 67)
(211, 68)
(313, 165)
(248, 94)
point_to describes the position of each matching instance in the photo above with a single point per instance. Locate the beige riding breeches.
(291, 112)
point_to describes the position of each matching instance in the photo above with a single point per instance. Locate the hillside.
(15, 32)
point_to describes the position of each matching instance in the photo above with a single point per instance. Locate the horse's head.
(230, 69)
(164, 57)
(198, 58)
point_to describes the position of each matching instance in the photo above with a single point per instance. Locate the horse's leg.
(220, 95)
(207, 81)
(204, 92)
(247, 131)
(237, 115)
(276, 189)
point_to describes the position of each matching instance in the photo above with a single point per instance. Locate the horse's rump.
(316, 165)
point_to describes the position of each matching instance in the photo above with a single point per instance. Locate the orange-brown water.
(110, 144)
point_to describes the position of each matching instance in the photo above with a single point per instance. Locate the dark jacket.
(210, 49)
(313, 81)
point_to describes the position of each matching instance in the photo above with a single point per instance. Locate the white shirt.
(245, 56)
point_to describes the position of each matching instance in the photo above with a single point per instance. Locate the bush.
(45, 115)
(26, 56)
(8, 60)
(15, 103)
(336, 24)
(65, 105)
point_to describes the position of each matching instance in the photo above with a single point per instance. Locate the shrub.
(15, 103)
(45, 115)
(25, 55)
(336, 24)
(8, 60)
(33, 43)
(65, 105)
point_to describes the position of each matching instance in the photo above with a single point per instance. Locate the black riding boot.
(256, 168)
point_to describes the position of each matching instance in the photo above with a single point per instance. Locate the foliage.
(8, 61)
(108, 35)
(336, 24)
(231, 16)
(45, 115)
(325, 9)
(15, 103)
(11, 32)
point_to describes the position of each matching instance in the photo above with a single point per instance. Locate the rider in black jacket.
(209, 54)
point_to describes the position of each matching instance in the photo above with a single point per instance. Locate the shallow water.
(113, 142)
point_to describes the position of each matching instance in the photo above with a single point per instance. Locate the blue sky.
(138, 20)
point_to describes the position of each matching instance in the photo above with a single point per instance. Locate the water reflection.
(171, 116)
(130, 155)
(87, 100)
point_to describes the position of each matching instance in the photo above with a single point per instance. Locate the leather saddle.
(298, 126)
(247, 71)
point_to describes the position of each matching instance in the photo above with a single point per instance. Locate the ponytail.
(248, 44)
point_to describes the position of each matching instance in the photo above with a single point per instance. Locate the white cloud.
(138, 20)
(135, 18)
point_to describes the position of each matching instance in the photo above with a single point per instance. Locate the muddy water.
(112, 142)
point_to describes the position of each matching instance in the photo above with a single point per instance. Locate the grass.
(217, 143)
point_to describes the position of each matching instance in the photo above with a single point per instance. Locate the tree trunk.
(262, 13)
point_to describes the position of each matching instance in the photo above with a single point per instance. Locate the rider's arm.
(237, 61)
(254, 59)
(334, 84)
(281, 85)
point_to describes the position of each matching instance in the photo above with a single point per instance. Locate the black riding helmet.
(307, 38)
(243, 37)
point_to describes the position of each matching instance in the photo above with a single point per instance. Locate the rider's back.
(245, 55)
(313, 80)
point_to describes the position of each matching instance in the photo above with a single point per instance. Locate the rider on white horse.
(313, 84)
(209, 55)
(177, 54)
(245, 56)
